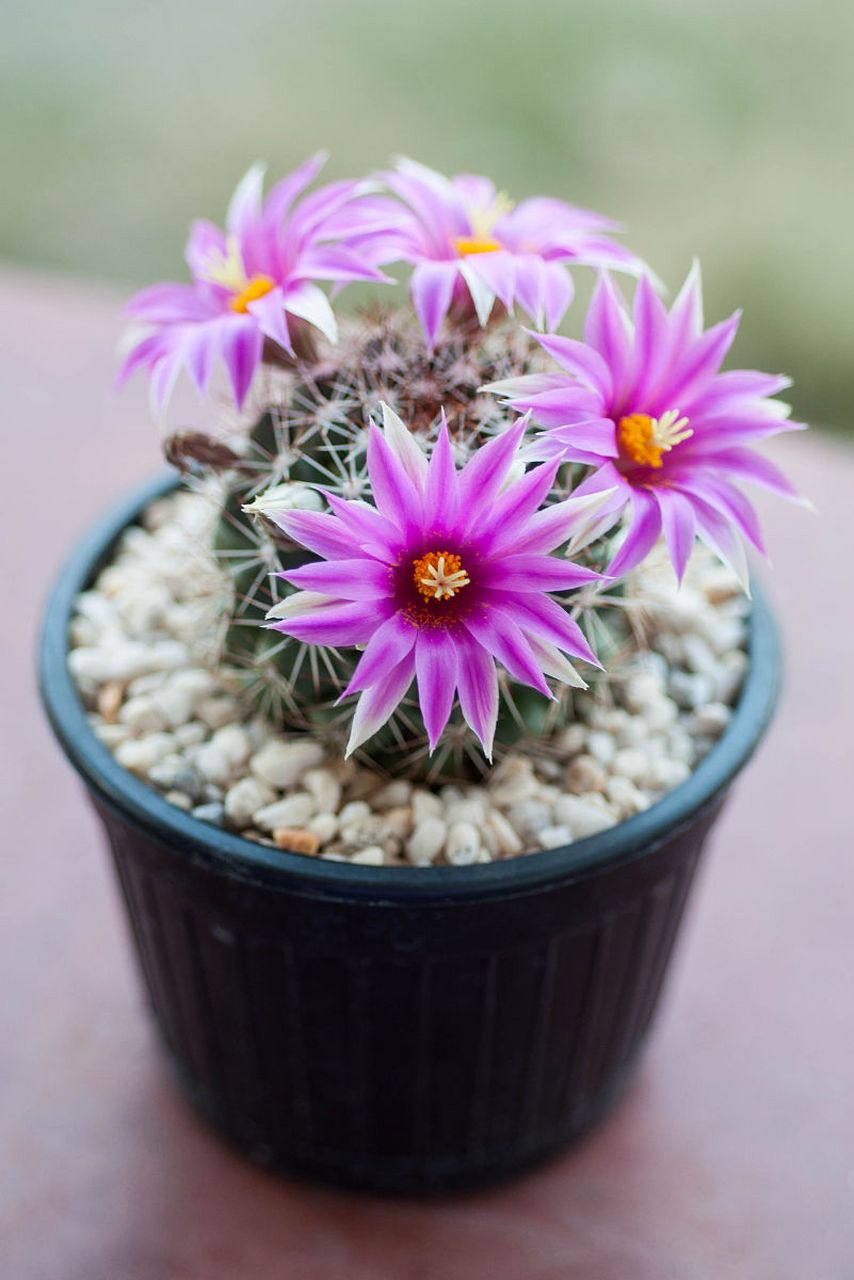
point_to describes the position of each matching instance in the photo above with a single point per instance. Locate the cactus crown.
(308, 435)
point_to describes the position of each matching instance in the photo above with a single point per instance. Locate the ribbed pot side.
(403, 1045)
(404, 1030)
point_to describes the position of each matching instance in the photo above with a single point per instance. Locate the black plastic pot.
(397, 1029)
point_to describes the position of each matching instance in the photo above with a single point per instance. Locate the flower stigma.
(645, 439)
(439, 575)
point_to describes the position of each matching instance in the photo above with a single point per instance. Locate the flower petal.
(347, 625)
(358, 579)
(436, 669)
(377, 704)
(388, 646)
(679, 525)
(497, 630)
(478, 690)
(311, 304)
(642, 534)
(432, 286)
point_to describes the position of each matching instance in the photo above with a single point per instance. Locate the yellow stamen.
(439, 575)
(227, 269)
(645, 439)
(257, 287)
(483, 222)
(466, 245)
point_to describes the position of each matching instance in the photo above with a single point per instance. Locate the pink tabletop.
(732, 1155)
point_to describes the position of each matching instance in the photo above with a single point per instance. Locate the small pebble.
(462, 846)
(585, 773)
(427, 840)
(296, 840)
(293, 811)
(213, 812)
(213, 763)
(554, 837)
(244, 799)
(283, 763)
(583, 817)
(373, 856)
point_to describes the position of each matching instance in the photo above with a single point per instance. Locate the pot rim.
(233, 855)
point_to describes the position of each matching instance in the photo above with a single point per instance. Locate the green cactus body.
(311, 436)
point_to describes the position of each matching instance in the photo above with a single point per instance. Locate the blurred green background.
(720, 129)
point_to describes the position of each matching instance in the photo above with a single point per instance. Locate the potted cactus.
(407, 708)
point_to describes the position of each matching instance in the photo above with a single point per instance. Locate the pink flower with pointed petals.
(468, 243)
(449, 572)
(643, 401)
(248, 281)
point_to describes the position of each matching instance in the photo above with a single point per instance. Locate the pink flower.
(643, 401)
(248, 281)
(447, 573)
(470, 244)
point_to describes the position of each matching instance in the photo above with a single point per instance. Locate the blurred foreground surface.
(730, 1156)
(718, 130)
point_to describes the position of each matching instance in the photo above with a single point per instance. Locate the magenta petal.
(241, 344)
(377, 704)
(436, 669)
(283, 193)
(244, 216)
(364, 527)
(697, 366)
(486, 470)
(394, 493)
(172, 304)
(432, 287)
(346, 625)
(558, 291)
(581, 361)
(496, 629)
(498, 272)
(651, 356)
(737, 389)
(318, 532)
(731, 502)
(643, 533)
(560, 406)
(339, 263)
(579, 440)
(442, 490)
(389, 645)
(359, 579)
(746, 464)
(531, 572)
(478, 690)
(679, 525)
(531, 286)
(712, 435)
(520, 500)
(205, 243)
(201, 348)
(544, 617)
(605, 330)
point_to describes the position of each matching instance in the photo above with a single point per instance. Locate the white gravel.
(170, 720)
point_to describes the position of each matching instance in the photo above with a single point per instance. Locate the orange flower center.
(644, 439)
(439, 575)
(466, 245)
(256, 288)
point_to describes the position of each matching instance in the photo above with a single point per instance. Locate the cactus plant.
(630, 435)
